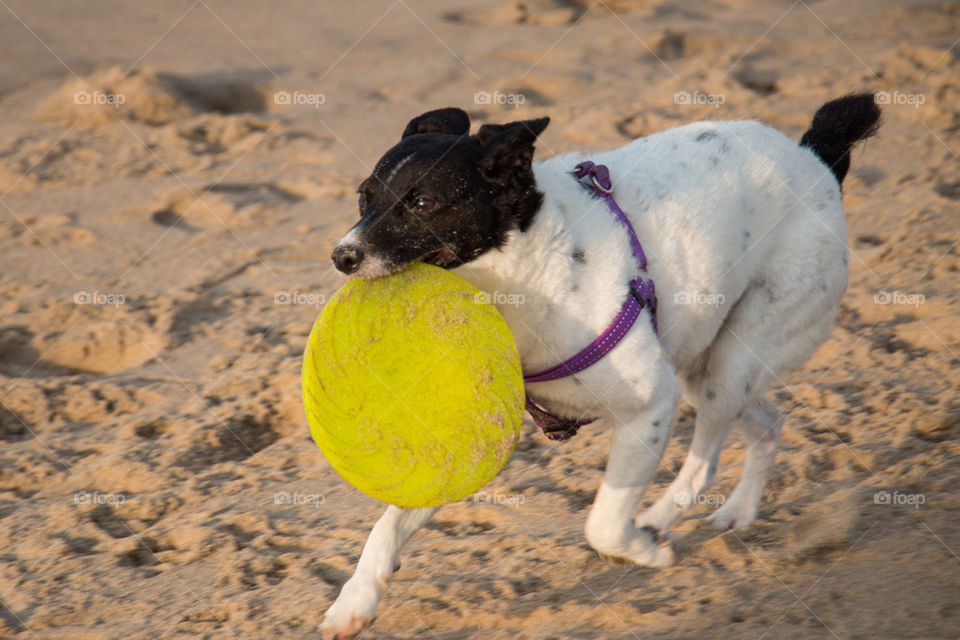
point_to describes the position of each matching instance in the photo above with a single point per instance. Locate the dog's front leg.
(635, 451)
(356, 605)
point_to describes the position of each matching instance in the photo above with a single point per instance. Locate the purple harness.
(642, 294)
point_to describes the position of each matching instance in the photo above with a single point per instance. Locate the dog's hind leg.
(761, 427)
(635, 450)
(775, 325)
(355, 607)
(732, 376)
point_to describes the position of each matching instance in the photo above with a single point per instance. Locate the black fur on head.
(443, 196)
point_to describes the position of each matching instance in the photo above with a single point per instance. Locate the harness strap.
(642, 294)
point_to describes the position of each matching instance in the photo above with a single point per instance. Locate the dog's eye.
(424, 204)
(362, 201)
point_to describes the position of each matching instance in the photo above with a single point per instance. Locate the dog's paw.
(660, 516)
(732, 516)
(352, 612)
(344, 631)
(642, 549)
(662, 556)
(615, 560)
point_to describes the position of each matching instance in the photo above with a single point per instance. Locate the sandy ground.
(164, 252)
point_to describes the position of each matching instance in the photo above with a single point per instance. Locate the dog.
(745, 235)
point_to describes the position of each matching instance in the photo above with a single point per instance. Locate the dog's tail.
(837, 126)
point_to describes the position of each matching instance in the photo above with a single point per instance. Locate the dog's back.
(723, 206)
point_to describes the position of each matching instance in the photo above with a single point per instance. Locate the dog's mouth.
(441, 258)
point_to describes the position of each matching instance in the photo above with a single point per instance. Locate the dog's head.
(443, 196)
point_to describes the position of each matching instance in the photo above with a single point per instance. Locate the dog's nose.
(347, 258)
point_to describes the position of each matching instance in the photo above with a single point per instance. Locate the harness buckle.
(599, 187)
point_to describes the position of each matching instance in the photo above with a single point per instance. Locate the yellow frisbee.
(412, 387)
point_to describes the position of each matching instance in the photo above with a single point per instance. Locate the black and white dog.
(744, 230)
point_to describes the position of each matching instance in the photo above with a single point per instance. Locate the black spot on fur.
(711, 394)
(579, 255)
(713, 136)
(714, 160)
(747, 387)
(656, 423)
(655, 440)
(837, 126)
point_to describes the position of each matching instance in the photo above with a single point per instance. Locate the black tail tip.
(849, 119)
(838, 125)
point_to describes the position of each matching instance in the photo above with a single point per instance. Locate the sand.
(173, 177)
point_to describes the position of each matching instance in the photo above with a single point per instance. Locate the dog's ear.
(450, 120)
(508, 148)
